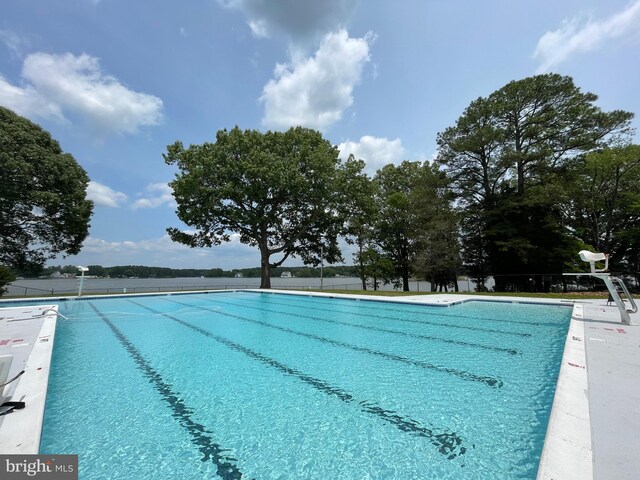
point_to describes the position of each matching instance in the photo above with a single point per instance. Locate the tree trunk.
(520, 177)
(265, 269)
(405, 279)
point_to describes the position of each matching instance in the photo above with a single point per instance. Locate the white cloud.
(105, 196)
(156, 194)
(59, 84)
(315, 91)
(164, 252)
(576, 36)
(28, 102)
(375, 151)
(163, 244)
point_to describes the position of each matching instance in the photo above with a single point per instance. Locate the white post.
(82, 270)
(321, 267)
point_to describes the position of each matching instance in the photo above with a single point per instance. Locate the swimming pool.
(259, 385)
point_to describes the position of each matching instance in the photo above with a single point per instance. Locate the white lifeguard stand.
(609, 281)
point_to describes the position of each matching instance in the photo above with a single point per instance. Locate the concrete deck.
(27, 334)
(594, 421)
(613, 369)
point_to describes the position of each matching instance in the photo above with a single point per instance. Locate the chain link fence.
(513, 283)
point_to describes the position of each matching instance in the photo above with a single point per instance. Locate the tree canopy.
(513, 158)
(279, 191)
(43, 207)
(396, 226)
(605, 206)
(361, 215)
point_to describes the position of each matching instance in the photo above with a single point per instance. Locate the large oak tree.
(43, 205)
(282, 192)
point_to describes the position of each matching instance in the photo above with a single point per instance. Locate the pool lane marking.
(447, 443)
(344, 300)
(490, 381)
(430, 313)
(511, 351)
(210, 450)
(426, 322)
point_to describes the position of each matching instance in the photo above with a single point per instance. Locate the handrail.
(608, 280)
(634, 307)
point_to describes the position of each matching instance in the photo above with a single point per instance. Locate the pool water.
(272, 386)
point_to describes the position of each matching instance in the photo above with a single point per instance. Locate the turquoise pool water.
(269, 386)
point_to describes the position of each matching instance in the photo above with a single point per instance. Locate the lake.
(62, 286)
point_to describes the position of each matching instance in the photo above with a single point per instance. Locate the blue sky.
(116, 81)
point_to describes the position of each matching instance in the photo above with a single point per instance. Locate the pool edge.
(22, 429)
(567, 451)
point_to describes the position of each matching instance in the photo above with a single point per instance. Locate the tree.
(437, 251)
(510, 156)
(528, 235)
(474, 245)
(43, 205)
(546, 121)
(97, 271)
(360, 210)
(470, 152)
(605, 209)
(6, 276)
(376, 267)
(279, 191)
(396, 228)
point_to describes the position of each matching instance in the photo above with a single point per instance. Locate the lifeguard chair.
(612, 283)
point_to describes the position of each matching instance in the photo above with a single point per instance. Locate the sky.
(116, 81)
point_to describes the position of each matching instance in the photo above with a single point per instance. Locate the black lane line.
(511, 351)
(200, 437)
(490, 381)
(516, 322)
(447, 443)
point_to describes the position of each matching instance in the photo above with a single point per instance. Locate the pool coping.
(22, 429)
(568, 446)
(567, 451)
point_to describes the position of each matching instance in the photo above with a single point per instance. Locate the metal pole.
(321, 267)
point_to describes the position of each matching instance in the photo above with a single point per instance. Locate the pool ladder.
(612, 284)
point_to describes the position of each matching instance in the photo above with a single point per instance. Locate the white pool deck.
(595, 419)
(26, 333)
